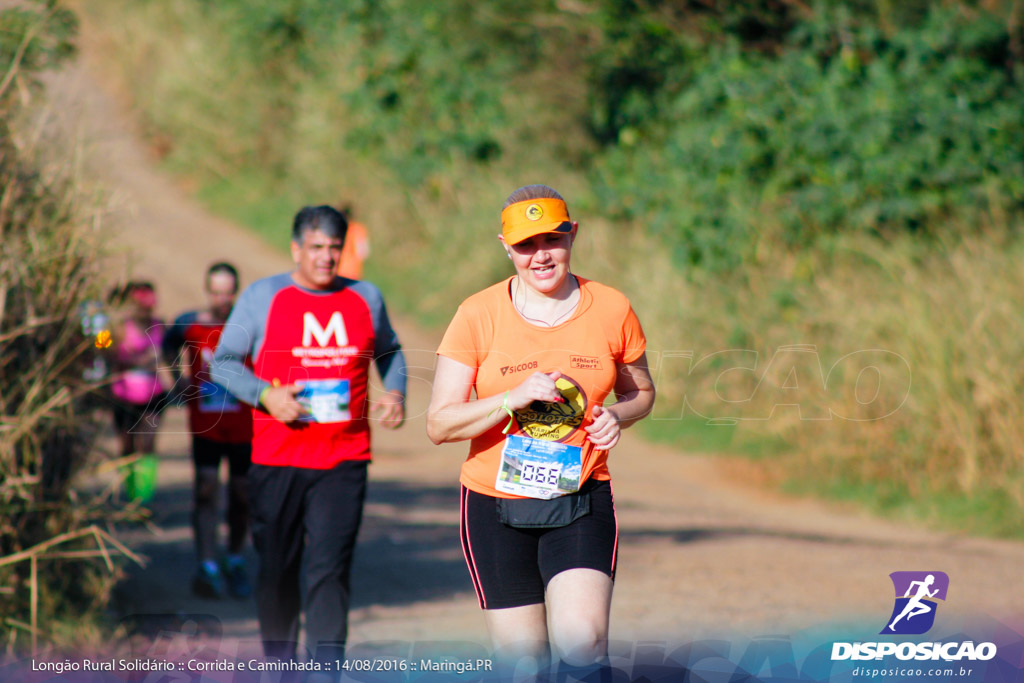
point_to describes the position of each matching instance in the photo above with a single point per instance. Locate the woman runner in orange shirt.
(542, 350)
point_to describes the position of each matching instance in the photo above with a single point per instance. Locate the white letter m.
(311, 328)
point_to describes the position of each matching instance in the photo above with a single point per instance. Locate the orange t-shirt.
(488, 334)
(355, 250)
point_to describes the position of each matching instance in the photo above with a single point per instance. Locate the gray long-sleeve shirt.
(246, 331)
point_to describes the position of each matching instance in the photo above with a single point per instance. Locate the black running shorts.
(511, 567)
(207, 454)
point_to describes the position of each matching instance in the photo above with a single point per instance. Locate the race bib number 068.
(538, 469)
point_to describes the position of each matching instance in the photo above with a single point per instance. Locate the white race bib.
(326, 400)
(538, 469)
(213, 398)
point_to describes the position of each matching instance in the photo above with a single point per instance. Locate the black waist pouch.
(533, 513)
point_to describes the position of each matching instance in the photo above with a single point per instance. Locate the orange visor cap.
(523, 220)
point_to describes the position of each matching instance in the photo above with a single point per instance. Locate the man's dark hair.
(326, 219)
(221, 267)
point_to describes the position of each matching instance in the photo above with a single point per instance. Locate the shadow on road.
(409, 548)
(408, 551)
(719, 533)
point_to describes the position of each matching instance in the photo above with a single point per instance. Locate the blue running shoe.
(208, 582)
(237, 578)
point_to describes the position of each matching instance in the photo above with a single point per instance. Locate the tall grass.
(51, 262)
(901, 393)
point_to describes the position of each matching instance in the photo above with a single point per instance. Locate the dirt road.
(699, 553)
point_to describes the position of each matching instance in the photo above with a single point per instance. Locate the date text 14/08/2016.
(459, 667)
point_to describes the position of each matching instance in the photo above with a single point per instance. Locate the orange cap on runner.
(523, 220)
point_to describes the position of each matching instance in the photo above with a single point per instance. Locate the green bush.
(878, 134)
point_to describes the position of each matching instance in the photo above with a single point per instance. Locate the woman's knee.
(581, 644)
(579, 601)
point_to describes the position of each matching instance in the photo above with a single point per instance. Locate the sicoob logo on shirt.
(555, 421)
(532, 365)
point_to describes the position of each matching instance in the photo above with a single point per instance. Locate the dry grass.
(51, 262)
(892, 364)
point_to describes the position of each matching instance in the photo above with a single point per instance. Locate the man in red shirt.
(311, 336)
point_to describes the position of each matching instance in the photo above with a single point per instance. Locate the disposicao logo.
(917, 594)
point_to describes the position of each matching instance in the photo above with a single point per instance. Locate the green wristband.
(511, 416)
(263, 394)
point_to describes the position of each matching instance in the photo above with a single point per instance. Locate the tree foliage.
(845, 129)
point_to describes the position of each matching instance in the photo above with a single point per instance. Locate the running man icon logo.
(916, 596)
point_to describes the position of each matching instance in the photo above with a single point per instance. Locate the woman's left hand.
(604, 431)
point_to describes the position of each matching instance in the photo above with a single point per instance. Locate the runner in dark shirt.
(221, 427)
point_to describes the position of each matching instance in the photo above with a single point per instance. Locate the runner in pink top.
(137, 389)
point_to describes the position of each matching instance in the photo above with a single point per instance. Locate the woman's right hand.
(454, 416)
(540, 386)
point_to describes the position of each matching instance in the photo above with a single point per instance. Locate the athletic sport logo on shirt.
(555, 421)
(917, 594)
(585, 362)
